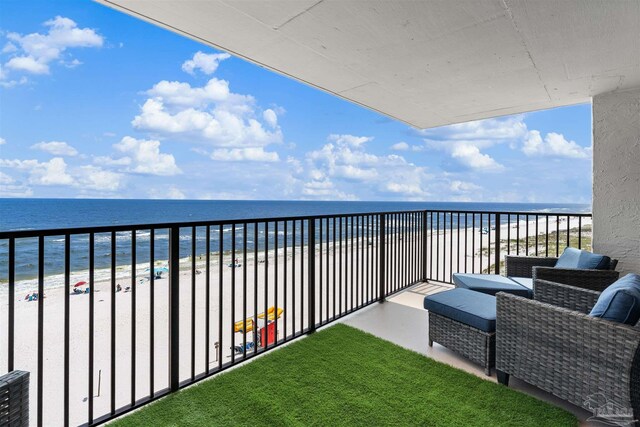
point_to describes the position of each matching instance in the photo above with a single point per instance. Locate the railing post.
(174, 308)
(497, 243)
(425, 277)
(12, 298)
(312, 274)
(383, 261)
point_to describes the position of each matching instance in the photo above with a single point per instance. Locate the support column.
(616, 178)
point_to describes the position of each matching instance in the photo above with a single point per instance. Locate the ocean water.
(20, 214)
(37, 214)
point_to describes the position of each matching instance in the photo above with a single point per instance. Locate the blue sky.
(94, 103)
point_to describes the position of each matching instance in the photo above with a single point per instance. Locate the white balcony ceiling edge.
(426, 63)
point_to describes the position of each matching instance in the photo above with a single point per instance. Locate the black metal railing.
(232, 290)
(476, 242)
(201, 297)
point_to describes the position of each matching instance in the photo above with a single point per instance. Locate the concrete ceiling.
(427, 63)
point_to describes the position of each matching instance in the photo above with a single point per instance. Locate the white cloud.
(6, 82)
(172, 192)
(351, 140)
(34, 52)
(464, 142)
(57, 148)
(182, 94)
(206, 63)
(343, 167)
(175, 193)
(210, 115)
(56, 172)
(470, 156)
(95, 178)
(9, 48)
(71, 64)
(219, 128)
(3, 141)
(18, 190)
(18, 164)
(153, 117)
(5, 179)
(354, 173)
(270, 117)
(108, 161)
(28, 64)
(467, 154)
(553, 145)
(405, 188)
(146, 157)
(512, 127)
(400, 146)
(253, 154)
(325, 189)
(53, 172)
(463, 187)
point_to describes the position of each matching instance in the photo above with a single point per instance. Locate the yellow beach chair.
(271, 314)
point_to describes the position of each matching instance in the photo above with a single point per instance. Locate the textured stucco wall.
(616, 177)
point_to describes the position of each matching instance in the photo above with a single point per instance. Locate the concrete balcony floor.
(403, 321)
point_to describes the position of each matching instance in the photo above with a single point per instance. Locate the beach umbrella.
(79, 284)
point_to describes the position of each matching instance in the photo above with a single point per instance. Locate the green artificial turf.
(342, 376)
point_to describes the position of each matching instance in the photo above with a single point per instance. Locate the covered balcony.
(189, 300)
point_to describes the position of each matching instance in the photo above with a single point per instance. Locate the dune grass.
(342, 376)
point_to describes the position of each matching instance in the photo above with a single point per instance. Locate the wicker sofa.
(543, 268)
(552, 343)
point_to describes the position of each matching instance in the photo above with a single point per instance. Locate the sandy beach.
(227, 297)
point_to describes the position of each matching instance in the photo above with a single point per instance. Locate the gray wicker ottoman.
(464, 321)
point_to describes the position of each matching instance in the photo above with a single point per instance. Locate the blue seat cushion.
(576, 258)
(471, 308)
(620, 302)
(491, 284)
(527, 282)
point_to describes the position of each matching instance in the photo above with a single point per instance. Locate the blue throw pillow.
(575, 258)
(620, 302)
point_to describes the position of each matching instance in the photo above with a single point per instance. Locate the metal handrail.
(339, 264)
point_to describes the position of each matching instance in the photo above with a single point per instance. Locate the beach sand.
(294, 318)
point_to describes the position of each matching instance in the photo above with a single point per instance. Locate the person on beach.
(118, 287)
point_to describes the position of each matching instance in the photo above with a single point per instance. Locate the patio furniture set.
(566, 325)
